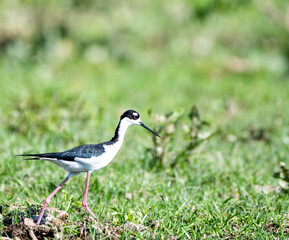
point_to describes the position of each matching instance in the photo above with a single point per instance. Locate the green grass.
(50, 104)
(211, 195)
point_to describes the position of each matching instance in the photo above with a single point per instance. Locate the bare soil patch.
(55, 225)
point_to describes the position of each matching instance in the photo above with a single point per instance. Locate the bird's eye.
(135, 117)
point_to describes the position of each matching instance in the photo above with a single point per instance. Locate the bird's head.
(133, 118)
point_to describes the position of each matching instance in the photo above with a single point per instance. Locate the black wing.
(83, 151)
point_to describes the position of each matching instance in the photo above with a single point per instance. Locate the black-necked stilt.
(89, 158)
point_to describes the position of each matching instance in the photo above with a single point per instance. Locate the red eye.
(135, 117)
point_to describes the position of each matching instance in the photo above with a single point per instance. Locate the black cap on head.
(131, 114)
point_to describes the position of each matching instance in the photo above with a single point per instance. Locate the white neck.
(123, 125)
(121, 130)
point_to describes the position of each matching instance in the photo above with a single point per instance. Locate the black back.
(83, 151)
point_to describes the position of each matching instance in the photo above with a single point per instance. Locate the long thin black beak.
(144, 126)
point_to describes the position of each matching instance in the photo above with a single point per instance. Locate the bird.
(88, 158)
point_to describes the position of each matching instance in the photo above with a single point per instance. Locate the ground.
(211, 78)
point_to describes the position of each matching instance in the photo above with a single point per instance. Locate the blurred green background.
(69, 68)
(154, 53)
(96, 58)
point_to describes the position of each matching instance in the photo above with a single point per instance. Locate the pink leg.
(85, 195)
(47, 200)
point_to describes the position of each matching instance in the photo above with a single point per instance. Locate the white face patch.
(134, 121)
(127, 121)
(137, 121)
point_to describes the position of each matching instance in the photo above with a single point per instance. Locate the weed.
(175, 128)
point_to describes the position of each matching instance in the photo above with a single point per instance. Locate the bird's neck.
(120, 131)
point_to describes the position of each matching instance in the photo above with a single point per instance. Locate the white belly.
(89, 164)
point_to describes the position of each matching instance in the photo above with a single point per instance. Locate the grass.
(50, 104)
(211, 195)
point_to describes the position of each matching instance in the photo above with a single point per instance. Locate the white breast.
(96, 163)
(89, 164)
